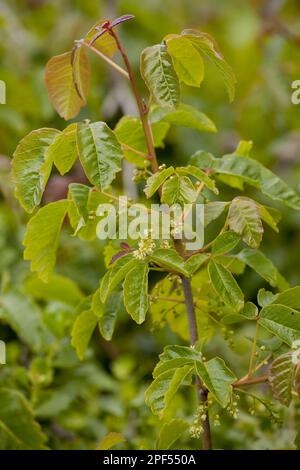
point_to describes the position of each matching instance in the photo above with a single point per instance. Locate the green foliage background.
(78, 403)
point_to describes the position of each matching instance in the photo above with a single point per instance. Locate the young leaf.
(18, 429)
(63, 150)
(244, 219)
(282, 321)
(129, 132)
(136, 292)
(178, 190)
(184, 115)
(81, 71)
(170, 432)
(265, 297)
(217, 378)
(213, 210)
(162, 390)
(249, 171)
(159, 75)
(99, 152)
(31, 166)
(105, 43)
(187, 61)
(280, 377)
(167, 257)
(226, 286)
(200, 175)
(41, 238)
(206, 45)
(156, 180)
(82, 331)
(61, 87)
(225, 242)
(115, 275)
(257, 261)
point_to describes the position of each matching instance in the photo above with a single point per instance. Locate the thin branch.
(251, 381)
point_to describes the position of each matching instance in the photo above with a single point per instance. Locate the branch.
(251, 381)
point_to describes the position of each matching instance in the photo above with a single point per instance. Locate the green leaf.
(207, 46)
(167, 257)
(213, 210)
(217, 378)
(199, 175)
(159, 75)
(41, 238)
(282, 321)
(280, 377)
(18, 429)
(244, 219)
(225, 242)
(187, 61)
(26, 319)
(99, 152)
(115, 275)
(84, 202)
(174, 357)
(162, 390)
(82, 331)
(249, 171)
(170, 432)
(58, 288)
(289, 298)
(184, 115)
(178, 190)
(265, 297)
(156, 180)
(136, 298)
(270, 216)
(63, 150)
(225, 286)
(257, 261)
(111, 440)
(129, 132)
(31, 167)
(60, 84)
(107, 314)
(195, 262)
(81, 71)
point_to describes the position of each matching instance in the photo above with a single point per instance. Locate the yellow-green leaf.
(187, 61)
(41, 238)
(136, 297)
(31, 166)
(159, 75)
(99, 152)
(61, 87)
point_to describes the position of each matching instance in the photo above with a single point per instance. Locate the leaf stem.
(253, 351)
(143, 110)
(107, 59)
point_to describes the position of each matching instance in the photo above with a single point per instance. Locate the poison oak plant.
(195, 292)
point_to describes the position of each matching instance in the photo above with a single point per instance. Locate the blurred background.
(76, 402)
